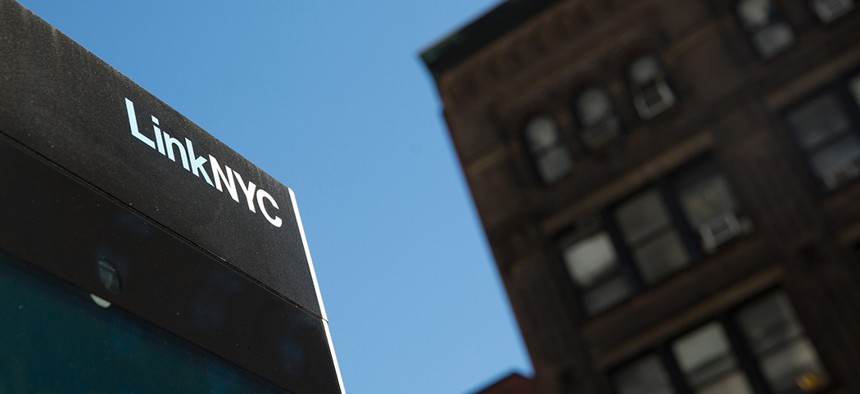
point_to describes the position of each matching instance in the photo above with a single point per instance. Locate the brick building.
(669, 187)
(513, 383)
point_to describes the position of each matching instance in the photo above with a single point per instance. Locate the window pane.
(590, 258)
(661, 257)
(597, 120)
(655, 94)
(554, 164)
(733, 383)
(646, 376)
(773, 39)
(766, 26)
(787, 358)
(553, 159)
(706, 199)
(699, 350)
(705, 358)
(755, 14)
(651, 93)
(817, 121)
(769, 322)
(592, 265)
(641, 216)
(645, 69)
(854, 85)
(829, 10)
(600, 133)
(794, 366)
(593, 105)
(541, 134)
(839, 162)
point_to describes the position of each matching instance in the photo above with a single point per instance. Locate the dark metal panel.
(61, 224)
(69, 106)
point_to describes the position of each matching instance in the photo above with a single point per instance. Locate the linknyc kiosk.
(138, 254)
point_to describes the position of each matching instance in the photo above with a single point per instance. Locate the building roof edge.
(456, 47)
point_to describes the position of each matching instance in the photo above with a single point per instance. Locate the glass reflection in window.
(706, 359)
(648, 230)
(786, 356)
(854, 86)
(830, 10)
(645, 376)
(765, 24)
(592, 264)
(824, 130)
(710, 208)
(548, 150)
(651, 93)
(597, 120)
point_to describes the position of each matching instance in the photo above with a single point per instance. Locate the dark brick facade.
(731, 107)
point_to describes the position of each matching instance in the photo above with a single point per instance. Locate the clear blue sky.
(331, 99)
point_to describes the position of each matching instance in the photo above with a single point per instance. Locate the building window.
(854, 87)
(830, 10)
(644, 376)
(593, 266)
(710, 208)
(785, 355)
(651, 92)
(651, 236)
(706, 359)
(551, 156)
(762, 341)
(597, 120)
(828, 137)
(766, 26)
